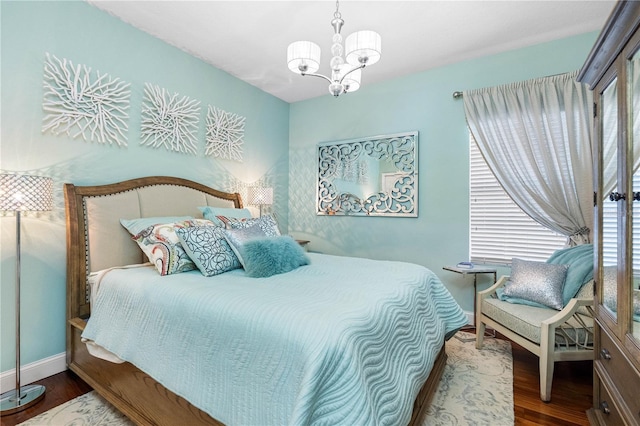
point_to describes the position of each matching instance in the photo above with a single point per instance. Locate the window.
(498, 229)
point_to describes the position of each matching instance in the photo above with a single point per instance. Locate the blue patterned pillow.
(264, 257)
(267, 223)
(208, 249)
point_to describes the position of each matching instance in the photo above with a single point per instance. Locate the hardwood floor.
(571, 394)
(61, 388)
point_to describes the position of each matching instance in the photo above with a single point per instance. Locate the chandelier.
(362, 48)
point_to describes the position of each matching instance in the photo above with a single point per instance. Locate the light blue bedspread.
(342, 341)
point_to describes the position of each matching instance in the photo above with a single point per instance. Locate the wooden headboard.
(95, 238)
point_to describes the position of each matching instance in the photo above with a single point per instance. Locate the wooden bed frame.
(130, 390)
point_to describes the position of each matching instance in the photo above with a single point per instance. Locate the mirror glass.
(373, 176)
(610, 236)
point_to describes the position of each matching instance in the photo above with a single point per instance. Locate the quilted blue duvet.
(342, 341)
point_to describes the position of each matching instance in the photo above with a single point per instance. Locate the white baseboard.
(469, 317)
(33, 372)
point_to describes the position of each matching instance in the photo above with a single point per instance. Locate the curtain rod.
(458, 94)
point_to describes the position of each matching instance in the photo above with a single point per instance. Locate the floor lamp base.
(29, 395)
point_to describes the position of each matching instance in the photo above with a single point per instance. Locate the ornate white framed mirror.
(371, 176)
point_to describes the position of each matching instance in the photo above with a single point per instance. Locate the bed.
(332, 375)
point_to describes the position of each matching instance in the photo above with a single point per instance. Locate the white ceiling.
(249, 39)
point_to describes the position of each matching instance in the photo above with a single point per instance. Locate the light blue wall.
(279, 149)
(86, 35)
(423, 102)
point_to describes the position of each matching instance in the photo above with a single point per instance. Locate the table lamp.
(20, 193)
(259, 196)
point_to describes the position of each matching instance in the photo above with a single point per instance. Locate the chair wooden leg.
(546, 362)
(546, 377)
(480, 327)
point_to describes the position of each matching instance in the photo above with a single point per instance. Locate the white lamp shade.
(303, 56)
(260, 196)
(351, 82)
(363, 47)
(25, 193)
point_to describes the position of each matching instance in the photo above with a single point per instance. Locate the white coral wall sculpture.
(169, 120)
(225, 134)
(79, 103)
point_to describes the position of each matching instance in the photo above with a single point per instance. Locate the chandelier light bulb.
(350, 80)
(363, 48)
(303, 57)
(336, 89)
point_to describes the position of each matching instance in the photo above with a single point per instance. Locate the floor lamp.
(19, 193)
(259, 196)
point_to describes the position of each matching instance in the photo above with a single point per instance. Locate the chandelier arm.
(318, 75)
(350, 71)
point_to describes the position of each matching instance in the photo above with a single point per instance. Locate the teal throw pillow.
(264, 257)
(217, 214)
(580, 261)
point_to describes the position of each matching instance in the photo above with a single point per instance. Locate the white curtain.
(536, 138)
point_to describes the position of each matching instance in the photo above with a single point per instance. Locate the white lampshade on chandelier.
(361, 49)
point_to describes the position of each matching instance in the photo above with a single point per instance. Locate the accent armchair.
(553, 335)
(563, 332)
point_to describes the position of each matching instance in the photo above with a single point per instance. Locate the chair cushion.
(526, 320)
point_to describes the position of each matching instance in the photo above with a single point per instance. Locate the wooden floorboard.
(61, 388)
(571, 393)
(570, 398)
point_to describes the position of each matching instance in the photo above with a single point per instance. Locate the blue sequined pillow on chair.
(538, 282)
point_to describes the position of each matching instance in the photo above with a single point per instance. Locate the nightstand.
(303, 243)
(474, 271)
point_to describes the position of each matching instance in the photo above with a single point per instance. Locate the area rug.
(477, 385)
(476, 389)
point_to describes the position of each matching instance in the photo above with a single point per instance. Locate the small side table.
(474, 271)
